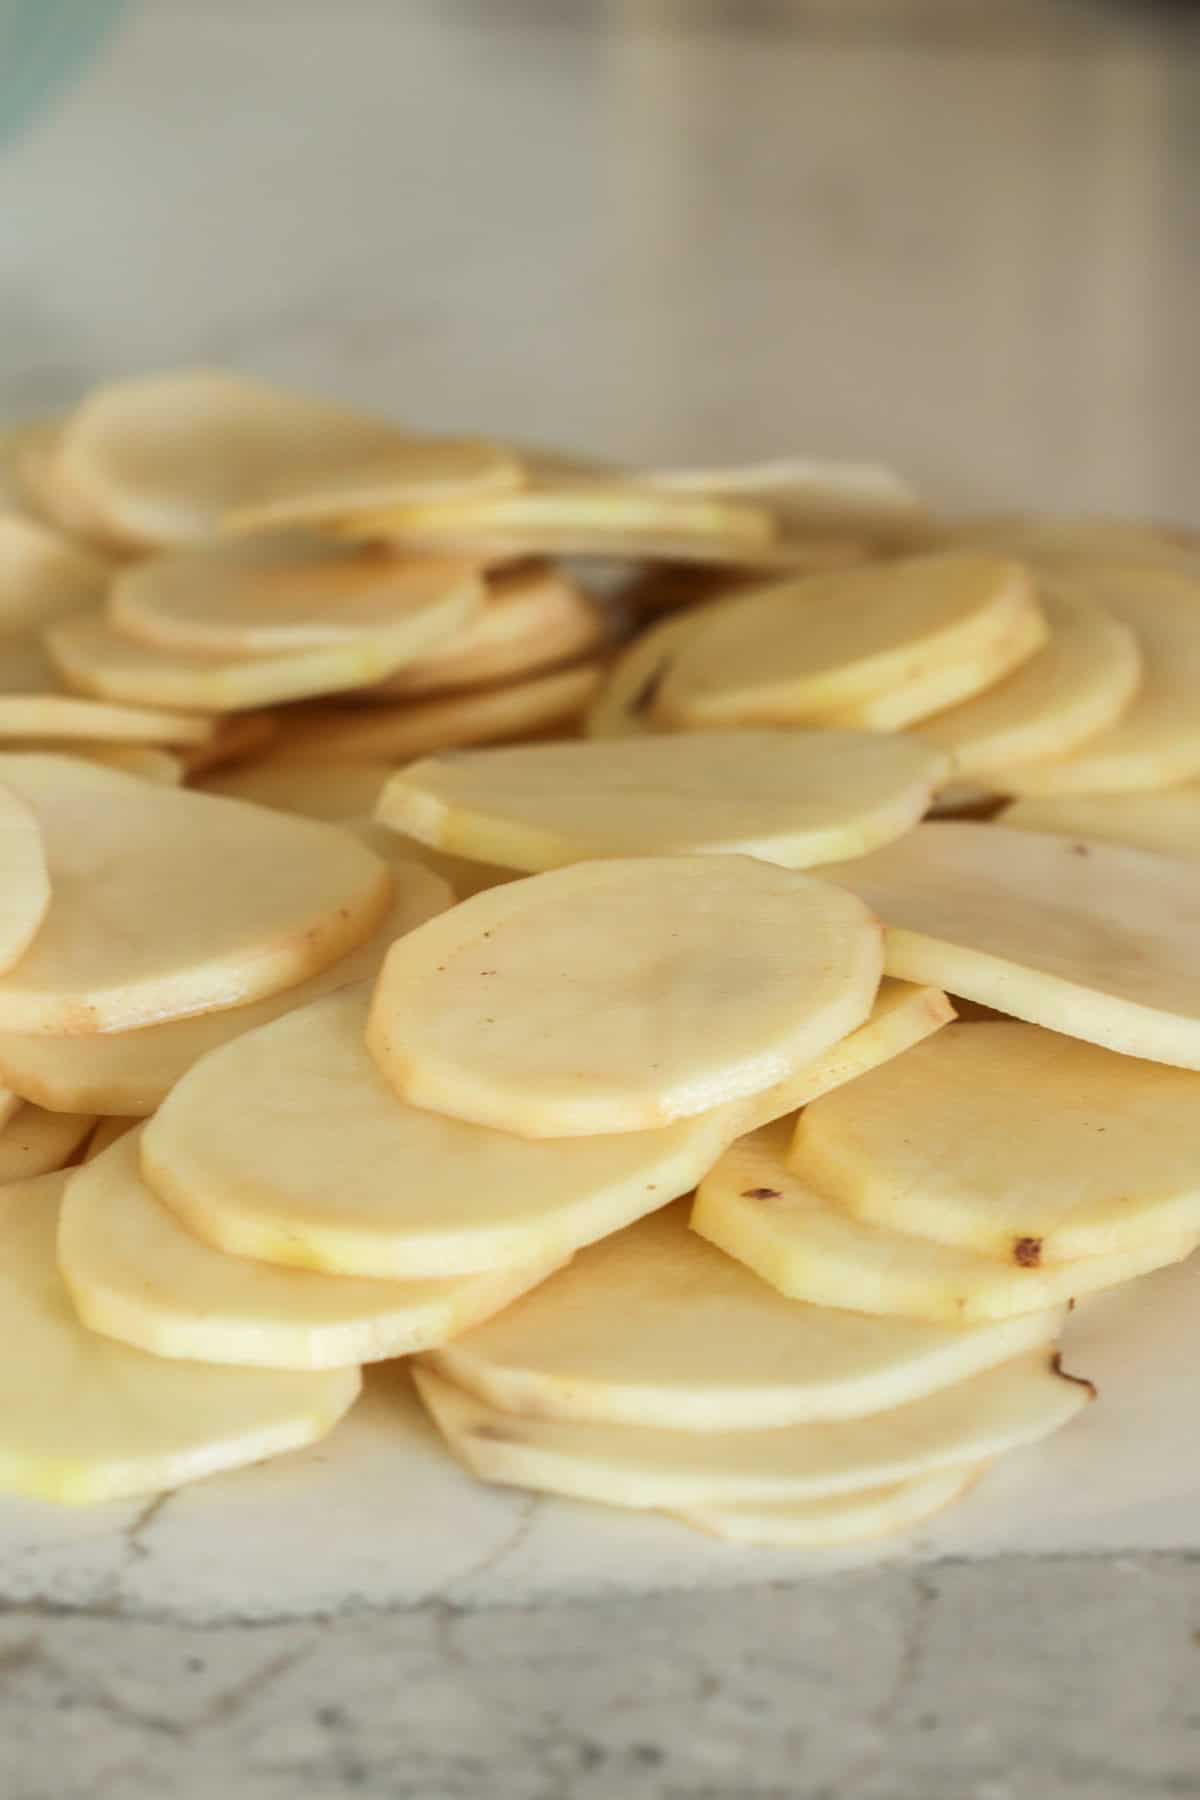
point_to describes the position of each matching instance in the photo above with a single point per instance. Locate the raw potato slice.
(713, 1347)
(776, 1220)
(1167, 823)
(1094, 940)
(33, 1142)
(57, 500)
(334, 792)
(794, 798)
(632, 1465)
(1106, 1157)
(135, 1274)
(43, 575)
(239, 736)
(65, 718)
(464, 874)
(291, 592)
(25, 895)
(625, 704)
(143, 760)
(1079, 684)
(107, 1133)
(132, 1072)
(938, 627)
(807, 496)
(167, 903)
(397, 733)
(83, 1419)
(844, 1519)
(10, 1105)
(618, 996)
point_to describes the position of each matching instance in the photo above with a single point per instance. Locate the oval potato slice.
(25, 896)
(44, 575)
(812, 497)
(1167, 823)
(624, 707)
(841, 1519)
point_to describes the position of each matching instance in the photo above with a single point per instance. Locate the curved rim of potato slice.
(137, 930)
(44, 574)
(119, 1422)
(653, 1326)
(1097, 941)
(236, 737)
(59, 502)
(762, 1206)
(333, 792)
(147, 761)
(638, 1466)
(624, 707)
(811, 496)
(135, 1274)
(851, 1518)
(794, 798)
(67, 717)
(35, 1142)
(27, 893)
(619, 996)
(1166, 823)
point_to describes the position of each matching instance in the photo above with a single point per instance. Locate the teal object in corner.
(43, 45)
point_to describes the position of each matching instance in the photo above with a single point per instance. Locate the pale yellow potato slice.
(132, 1072)
(641, 1466)
(107, 1133)
(43, 575)
(916, 634)
(25, 896)
(33, 1142)
(776, 1220)
(236, 737)
(65, 717)
(144, 760)
(334, 792)
(57, 501)
(789, 797)
(135, 1274)
(618, 996)
(167, 903)
(1107, 1155)
(843, 1519)
(83, 1419)
(655, 1327)
(464, 874)
(1068, 542)
(809, 496)
(1095, 940)
(10, 1105)
(1168, 823)
(624, 706)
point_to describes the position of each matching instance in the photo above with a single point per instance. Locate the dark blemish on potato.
(492, 1434)
(1080, 1380)
(760, 1193)
(1027, 1252)
(647, 694)
(1080, 850)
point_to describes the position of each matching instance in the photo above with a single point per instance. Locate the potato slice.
(618, 996)
(65, 718)
(640, 1466)
(333, 792)
(132, 1072)
(33, 1142)
(775, 1220)
(25, 899)
(83, 1419)
(236, 737)
(167, 903)
(464, 874)
(807, 496)
(1076, 686)
(841, 1519)
(143, 760)
(107, 1133)
(135, 1274)
(1167, 823)
(713, 1346)
(1107, 1156)
(794, 798)
(936, 628)
(43, 575)
(624, 707)
(1094, 940)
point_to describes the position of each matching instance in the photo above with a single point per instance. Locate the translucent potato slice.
(794, 798)
(624, 706)
(841, 1519)
(131, 1072)
(933, 629)
(168, 903)
(653, 1326)
(43, 575)
(65, 718)
(618, 996)
(1106, 1157)
(1094, 940)
(1168, 823)
(83, 1419)
(33, 1142)
(775, 1219)
(334, 792)
(806, 495)
(639, 1466)
(25, 895)
(135, 1274)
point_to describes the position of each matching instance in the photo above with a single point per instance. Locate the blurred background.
(961, 235)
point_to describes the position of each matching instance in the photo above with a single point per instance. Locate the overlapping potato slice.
(841, 1519)
(901, 639)
(618, 996)
(43, 575)
(34, 1142)
(84, 1419)
(10, 1104)
(105, 1134)
(166, 903)
(25, 894)
(334, 792)
(65, 718)
(812, 497)
(1076, 686)
(464, 875)
(144, 760)
(1095, 940)
(135, 1274)
(1107, 1156)
(131, 1072)
(1168, 823)
(625, 704)
(794, 798)
(713, 1346)
(639, 1466)
(235, 738)
(775, 1219)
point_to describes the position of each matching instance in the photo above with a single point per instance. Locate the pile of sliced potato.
(357, 1004)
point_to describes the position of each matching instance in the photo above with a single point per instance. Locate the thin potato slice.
(334, 792)
(638, 1466)
(624, 707)
(1168, 823)
(60, 503)
(33, 1142)
(143, 760)
(43, 575)
(713, 1347)
(844, 1519)
(83, 1419)
(809, 497)
(794, 798)
(1106, 1155)
(167, 903)
(239, 736)
(135, 1274)
(107, 1133)
(464, 875)
(775, 1220)
(618, 996)
(1094, 940)
(65, 718)
(25, 896)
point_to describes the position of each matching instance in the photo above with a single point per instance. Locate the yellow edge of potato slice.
(843, 1519)
(35, 1142)
(1167, 823)
(25, 899)
(68, 717)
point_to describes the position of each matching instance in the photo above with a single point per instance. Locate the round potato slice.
(842, 1519)
(65, 717)
(624, 707)
(132, 1072)
(618, 996)
(1094, 940)
(640, 1466)
(1106, 1154)
(167, 903)
(1077, 685)
(83, 1419)
(33, 1142)
(43, 575)
(775, 1220)
(914, 635)
(135, 1274)
(25, 897)
(1168, 823)
(334, 792)
(655, 1327)
(811, 497)
(794, 798)
(107, 1133)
